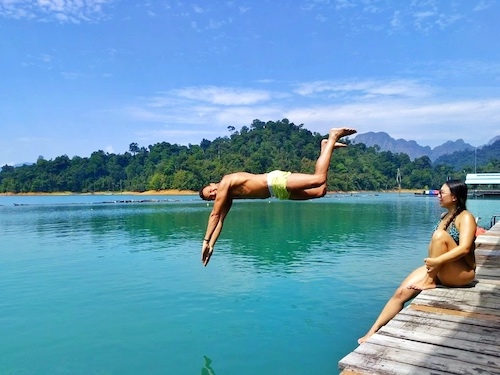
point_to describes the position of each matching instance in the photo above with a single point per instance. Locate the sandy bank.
(149, 192)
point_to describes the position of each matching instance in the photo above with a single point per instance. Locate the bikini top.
(452, 231)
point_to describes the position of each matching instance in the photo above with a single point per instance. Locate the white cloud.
(198, 9)
(428, 122)
(447, 20)
(74, 11)
(216, 24)
(46, 58)
(367, 88)
(343, 4)
(223, 95)
(396, 20)
(70, 75)
(483, 5)
(403, 108)
(321, 18)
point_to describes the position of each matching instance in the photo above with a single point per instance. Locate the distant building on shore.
(483, 184)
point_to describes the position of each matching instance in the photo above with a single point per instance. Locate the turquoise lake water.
(118, 288)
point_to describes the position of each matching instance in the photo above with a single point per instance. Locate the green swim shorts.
(276, 182)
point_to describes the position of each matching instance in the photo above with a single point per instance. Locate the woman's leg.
(457, 273)
(461, 272)
(402, 295)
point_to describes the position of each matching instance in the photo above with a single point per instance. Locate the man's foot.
(426, 283)
(336, 145)
(337, 133)
(323, 144)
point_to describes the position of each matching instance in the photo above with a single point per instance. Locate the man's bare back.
(246, 185)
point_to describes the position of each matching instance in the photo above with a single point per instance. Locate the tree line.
(258, 148)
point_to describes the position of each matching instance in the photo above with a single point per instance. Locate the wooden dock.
(443, 330)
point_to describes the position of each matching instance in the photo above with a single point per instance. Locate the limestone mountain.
(386, 143)
(497, 138)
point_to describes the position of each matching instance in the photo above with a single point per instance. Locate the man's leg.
(307, 186)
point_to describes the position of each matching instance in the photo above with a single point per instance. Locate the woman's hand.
(431, 264)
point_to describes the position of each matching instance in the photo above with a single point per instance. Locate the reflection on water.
(120, 289)
(207, 367)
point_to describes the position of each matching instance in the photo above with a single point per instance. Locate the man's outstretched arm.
(222, 205)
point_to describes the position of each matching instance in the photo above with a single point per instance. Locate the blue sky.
(78, 76)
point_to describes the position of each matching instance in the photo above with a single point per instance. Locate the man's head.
(209, 192)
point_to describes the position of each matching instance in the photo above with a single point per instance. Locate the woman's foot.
(426, 283)
(364, 338)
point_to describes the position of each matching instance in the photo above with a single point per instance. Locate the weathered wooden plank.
(431, 316)
(352, 372)
(472, 346)
(445, 328)
(451, 312)
(482, 305)
(494, 231)
(485, 259)
(490, 232)
(483, 309)
(491, 250)
(468, 296)
(377, 364)
(476, 288)
(495, 227)
(463, 297)
(431, 356)
(488, 268)
(406, 356)
(489, 281)
(488, 273)
(488, 240)
(465, 337)
(488, 262)
(488, 250)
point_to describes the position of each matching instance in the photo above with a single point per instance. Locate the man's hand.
(206, 253)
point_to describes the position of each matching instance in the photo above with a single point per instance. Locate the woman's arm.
(466, 225)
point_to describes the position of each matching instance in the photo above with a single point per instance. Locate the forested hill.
(259, 148)
(484, 156)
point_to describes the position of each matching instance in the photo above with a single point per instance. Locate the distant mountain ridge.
(412, 148)
(497, 138)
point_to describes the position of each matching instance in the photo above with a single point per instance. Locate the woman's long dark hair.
(459, 190)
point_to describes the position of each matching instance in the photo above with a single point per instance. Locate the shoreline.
(190, 192)
(148, 192)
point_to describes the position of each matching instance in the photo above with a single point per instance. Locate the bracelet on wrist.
(205, 240)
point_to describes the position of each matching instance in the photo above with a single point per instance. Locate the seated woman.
(451, 260)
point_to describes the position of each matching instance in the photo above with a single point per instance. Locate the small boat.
(428, 193)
